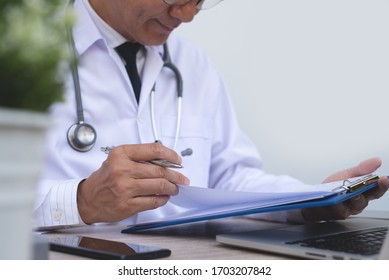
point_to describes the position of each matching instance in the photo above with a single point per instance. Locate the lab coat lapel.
(152, 68)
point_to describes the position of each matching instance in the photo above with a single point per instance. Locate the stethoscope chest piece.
(81, 137)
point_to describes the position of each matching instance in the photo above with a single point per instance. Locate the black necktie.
(128, 52)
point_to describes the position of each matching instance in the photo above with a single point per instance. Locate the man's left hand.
(354, 205)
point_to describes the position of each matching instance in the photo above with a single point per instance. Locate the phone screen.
(105, 249)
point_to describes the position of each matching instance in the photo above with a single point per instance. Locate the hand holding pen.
(124, 185)
(159, 162)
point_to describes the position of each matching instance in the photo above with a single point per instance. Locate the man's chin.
(156, 40)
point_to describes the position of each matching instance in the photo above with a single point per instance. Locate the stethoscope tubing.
(169, 65)
(72, 135)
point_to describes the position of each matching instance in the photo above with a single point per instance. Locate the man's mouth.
(168, 28)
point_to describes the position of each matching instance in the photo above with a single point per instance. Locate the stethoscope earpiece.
(81, 137)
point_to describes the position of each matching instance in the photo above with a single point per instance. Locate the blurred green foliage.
(34, 52)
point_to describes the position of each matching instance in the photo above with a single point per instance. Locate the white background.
(309, 79)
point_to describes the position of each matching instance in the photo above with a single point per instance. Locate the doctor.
(87, 187)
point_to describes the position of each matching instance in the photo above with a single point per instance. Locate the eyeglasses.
(201, 4)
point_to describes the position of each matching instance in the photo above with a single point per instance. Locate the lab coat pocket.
(193, 145)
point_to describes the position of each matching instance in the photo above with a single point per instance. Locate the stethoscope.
(82, 136)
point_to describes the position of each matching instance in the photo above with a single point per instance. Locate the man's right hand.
(126, 184)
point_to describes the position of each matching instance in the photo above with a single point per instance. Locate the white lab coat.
(223, 157)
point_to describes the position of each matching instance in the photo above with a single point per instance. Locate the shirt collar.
(112, 37)
(86, 32)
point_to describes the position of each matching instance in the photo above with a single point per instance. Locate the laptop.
(354, 238)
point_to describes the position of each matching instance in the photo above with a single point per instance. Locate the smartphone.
(103, 249)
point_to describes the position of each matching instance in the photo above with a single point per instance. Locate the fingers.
(353, 206)
(363, 168)
(356, 204)
(149, 187)
(366, 167)
(143, 203)
(337, 212)
(149, 171)
(125, 184)
(146, 152)
(121, 166)
(134, 161)
(137, 176)
(380, 190)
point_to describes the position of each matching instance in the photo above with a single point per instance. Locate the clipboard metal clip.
(352, 186)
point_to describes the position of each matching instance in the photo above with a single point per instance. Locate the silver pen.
(159, 162)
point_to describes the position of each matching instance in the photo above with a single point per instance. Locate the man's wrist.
(83, 211)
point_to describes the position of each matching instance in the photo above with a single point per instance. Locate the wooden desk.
(194, 241)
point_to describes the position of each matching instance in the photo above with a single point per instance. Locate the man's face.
(148, 22)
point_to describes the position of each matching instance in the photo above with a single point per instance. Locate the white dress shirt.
(223, 156)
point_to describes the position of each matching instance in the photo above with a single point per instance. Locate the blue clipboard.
(343, 193)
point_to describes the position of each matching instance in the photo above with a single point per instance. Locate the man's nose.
(185, 12)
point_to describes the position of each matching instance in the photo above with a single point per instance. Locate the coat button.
(57, 215)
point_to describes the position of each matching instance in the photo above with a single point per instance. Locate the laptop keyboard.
(365, 242)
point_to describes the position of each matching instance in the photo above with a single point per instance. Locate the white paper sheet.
(195, 202)
(196, 197)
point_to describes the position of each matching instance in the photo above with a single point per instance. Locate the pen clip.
(349, 186)
(106, 149)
